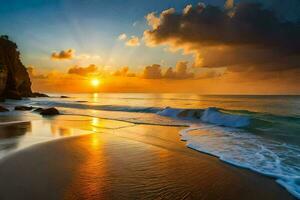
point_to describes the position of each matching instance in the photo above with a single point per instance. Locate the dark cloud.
(63, 55)
(245, 37)
(209, 73)
(83, 71)
(288, 9)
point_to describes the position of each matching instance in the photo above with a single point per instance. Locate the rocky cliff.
(14, 79)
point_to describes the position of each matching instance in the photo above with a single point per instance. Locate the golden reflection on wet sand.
(136, 162)
(89, 173)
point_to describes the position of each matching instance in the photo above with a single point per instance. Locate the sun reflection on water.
(95, 97)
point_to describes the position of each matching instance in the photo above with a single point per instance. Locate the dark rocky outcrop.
(38, 110)
(12, 95)
(2, 109)
(14, 78)
(49, 111)
(37, 94)
(23, 108)
(64, 97)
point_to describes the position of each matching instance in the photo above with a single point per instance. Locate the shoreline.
(31, 147)
(149, 154)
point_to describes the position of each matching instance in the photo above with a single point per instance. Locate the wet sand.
(126, 161)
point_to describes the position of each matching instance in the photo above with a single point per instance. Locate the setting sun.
(95, 82)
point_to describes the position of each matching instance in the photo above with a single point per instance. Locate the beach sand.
(125, 161)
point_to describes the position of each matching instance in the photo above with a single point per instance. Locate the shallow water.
(260, 133)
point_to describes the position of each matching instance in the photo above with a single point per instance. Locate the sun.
(95, 82)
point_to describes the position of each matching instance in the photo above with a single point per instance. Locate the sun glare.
(95, 82)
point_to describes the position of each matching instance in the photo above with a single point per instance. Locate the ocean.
(259, 133)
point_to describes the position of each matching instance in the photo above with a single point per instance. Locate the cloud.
(124, 71)
(83, 71)
(133, 42)
(229, 4)
(122, 36)
(155, 72)
(208, 73)
(152, 72)
(246, 37)
(152, 20)
(63, 55)
(181, 71)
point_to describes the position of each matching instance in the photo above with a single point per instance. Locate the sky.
(212, 46)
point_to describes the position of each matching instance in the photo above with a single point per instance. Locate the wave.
(209, 115)
(229, 118)
(243, 149)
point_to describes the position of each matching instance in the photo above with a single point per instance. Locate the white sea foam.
(250, 151)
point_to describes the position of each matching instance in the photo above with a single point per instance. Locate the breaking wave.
(209, 115)
(264, 155)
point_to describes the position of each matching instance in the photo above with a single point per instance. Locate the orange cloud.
(155, 72)
(180, 72)
(63, 55)
(133, 42)
(229, 4)
(124, 71)
(152, 72)
(83, 71)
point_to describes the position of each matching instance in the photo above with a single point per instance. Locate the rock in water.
(14, 78)
(37, 94)
(49, 111)
(38, 110)
(23, 108)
